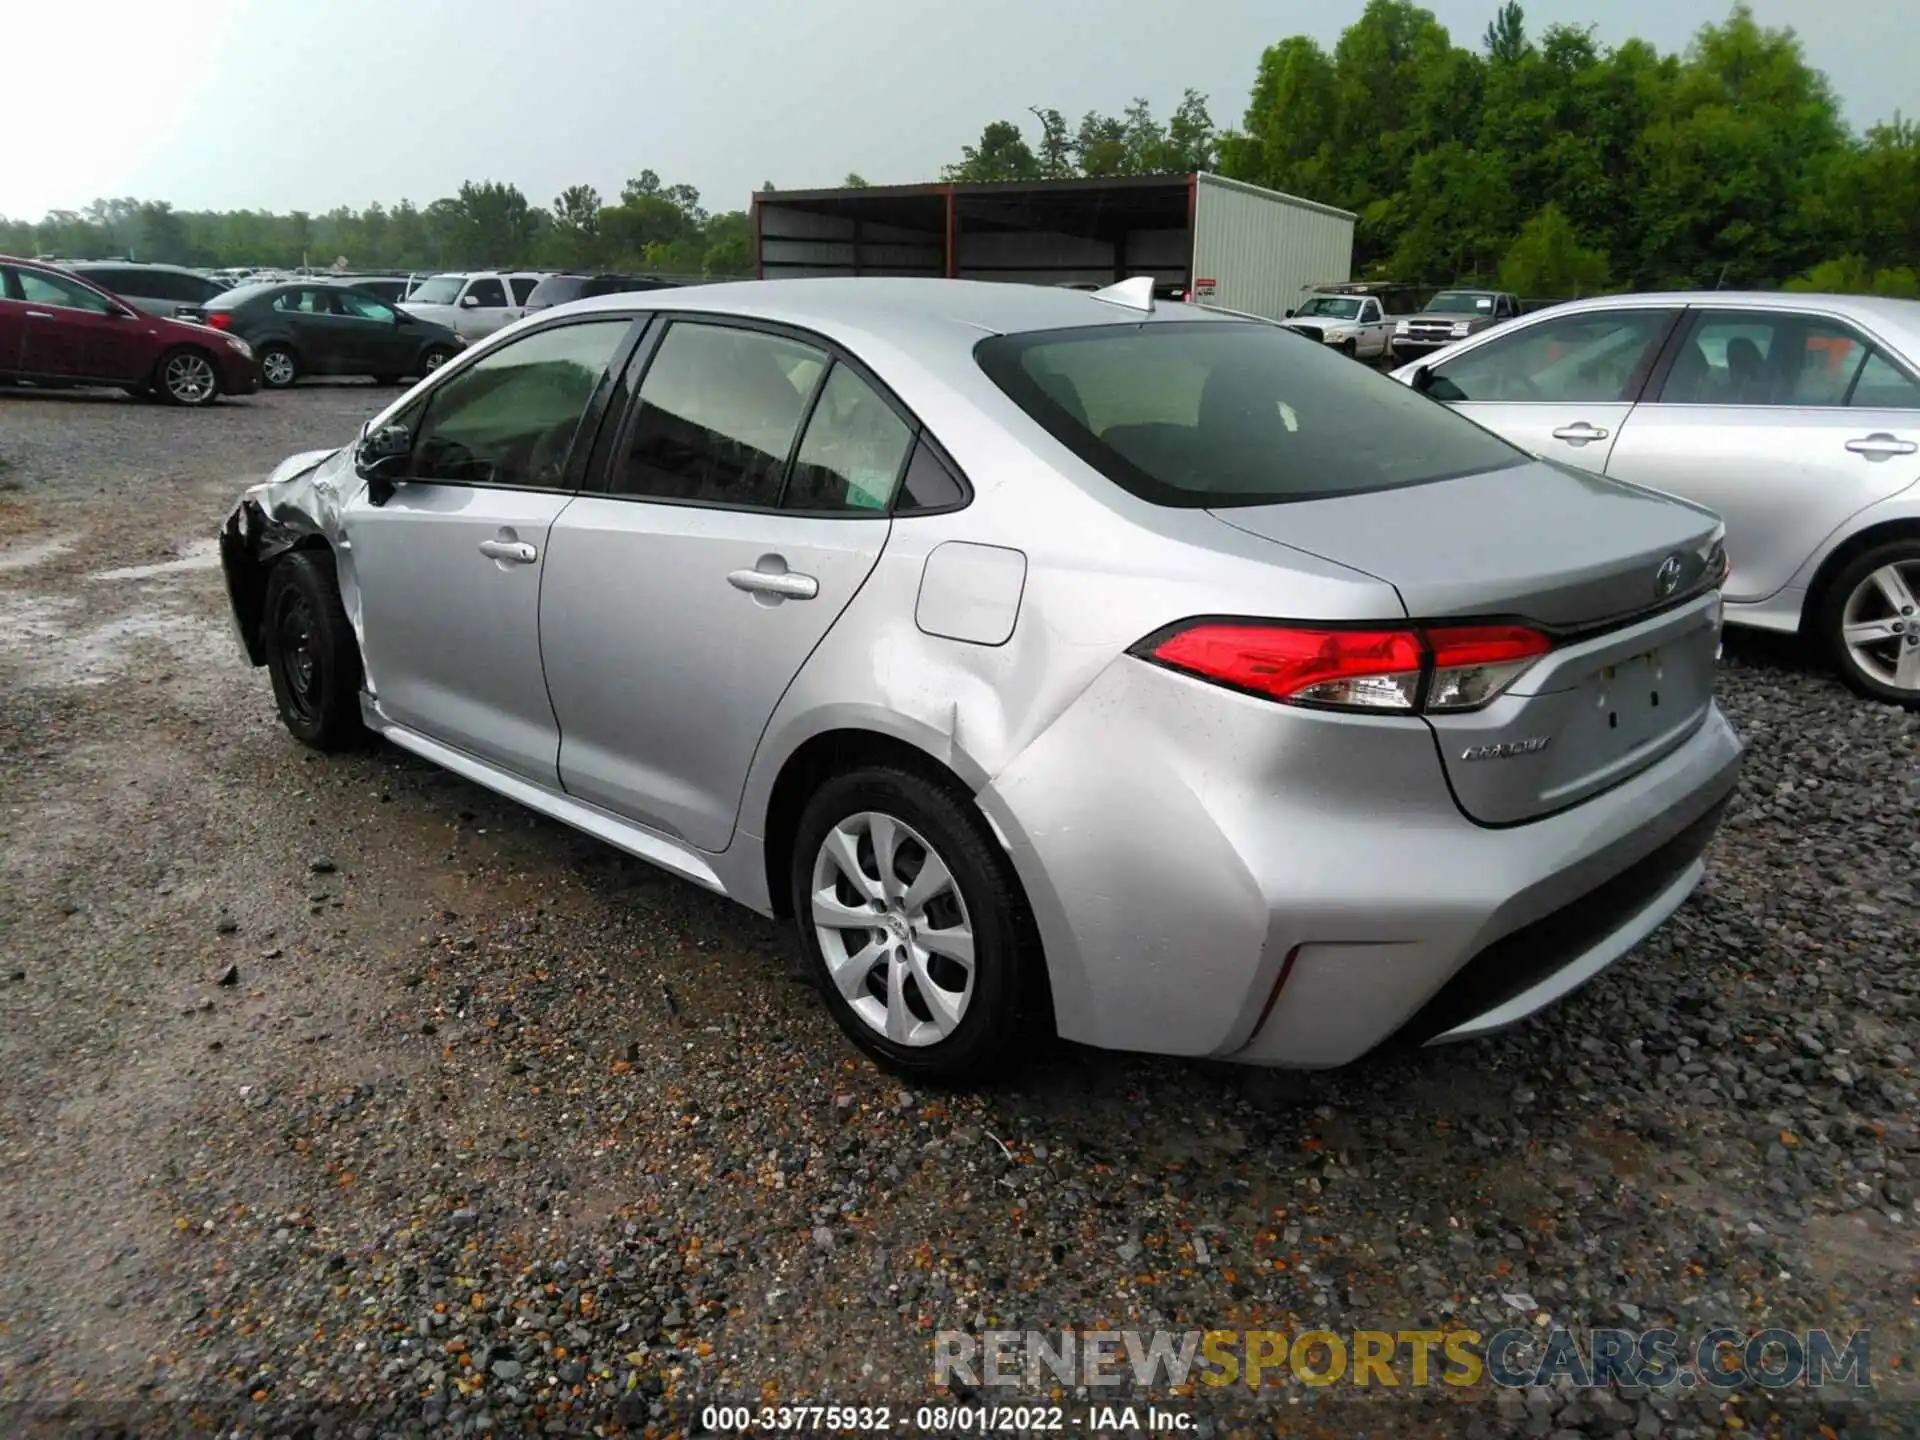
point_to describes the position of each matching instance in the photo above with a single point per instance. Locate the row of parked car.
(146, 328)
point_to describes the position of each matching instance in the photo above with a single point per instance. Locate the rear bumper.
(1186, 850)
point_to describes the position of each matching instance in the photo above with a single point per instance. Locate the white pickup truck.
(1356, 325)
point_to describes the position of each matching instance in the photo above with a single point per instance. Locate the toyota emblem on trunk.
(1666, 579)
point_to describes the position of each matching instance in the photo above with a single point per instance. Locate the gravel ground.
(337, 1091)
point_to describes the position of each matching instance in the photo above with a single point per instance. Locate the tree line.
(1551, 165)
(652, 226)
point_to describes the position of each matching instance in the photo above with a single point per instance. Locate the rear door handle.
(782, 584)
(1881, 446)
(514, 552)
(1579, 433)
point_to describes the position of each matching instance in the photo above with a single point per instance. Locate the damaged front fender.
(298, 505)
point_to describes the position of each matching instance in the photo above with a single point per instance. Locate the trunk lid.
(1622, 579)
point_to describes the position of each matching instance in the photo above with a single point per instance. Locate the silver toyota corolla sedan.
(1795, 417)
(1058, 662)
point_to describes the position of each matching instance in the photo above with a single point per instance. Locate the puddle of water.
(198, 555)
(60, 650)
(24, 557)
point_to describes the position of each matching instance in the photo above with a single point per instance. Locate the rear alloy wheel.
(187, 377)
(278, 368)
(312, 656)
(912, 914)
(1870, 620)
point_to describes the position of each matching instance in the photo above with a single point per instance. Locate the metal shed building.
(1234, 245)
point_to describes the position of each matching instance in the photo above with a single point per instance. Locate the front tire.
(432, 358)
(186, 376)
(916, 925)
(1869, 623)
(279, 367)
(312, 656)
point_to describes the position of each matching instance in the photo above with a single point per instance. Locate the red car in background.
(56, 329)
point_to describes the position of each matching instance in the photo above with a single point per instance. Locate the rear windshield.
(1222, 413)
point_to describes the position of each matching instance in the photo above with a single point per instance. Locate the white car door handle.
(1579, 433)
(38, 315)
(783, 583)
(1881, 446)
(514, 552)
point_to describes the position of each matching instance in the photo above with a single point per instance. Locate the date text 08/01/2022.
(940, 1419)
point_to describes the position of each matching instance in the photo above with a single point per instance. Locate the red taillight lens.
(1364, 669)
(1444, 668)
(219, 319)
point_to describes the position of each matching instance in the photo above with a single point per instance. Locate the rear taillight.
(219, 319)
(1405, 670)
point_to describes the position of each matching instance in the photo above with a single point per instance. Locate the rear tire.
(312, 655)
(186, 376)
(279, 367)
(905, 937)
(1868, 622)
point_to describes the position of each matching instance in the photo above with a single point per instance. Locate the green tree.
(1002, 154)
(1547, 261)
(576, 226)
(854, 181)
(1853, 275)
(1056, 146)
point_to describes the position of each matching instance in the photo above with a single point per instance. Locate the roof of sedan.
(983, 306)
(1902, 313)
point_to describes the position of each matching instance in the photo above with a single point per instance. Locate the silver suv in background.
(473, 305)
(1055, 661)
(1796, 417)
(171, 291)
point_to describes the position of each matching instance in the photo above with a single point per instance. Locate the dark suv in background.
(1453, 314)
(559, 289)
(168, 290)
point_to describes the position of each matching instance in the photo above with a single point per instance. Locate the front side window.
(851, 455)
(718, 412)
(39, 288)
(1732, 357)
(1597, 357)
(362, 307)
(511, 417)
(440, 290)
(1370, 312)
(1227, 413)
(488, 294)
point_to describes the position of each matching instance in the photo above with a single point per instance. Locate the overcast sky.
(309, 104)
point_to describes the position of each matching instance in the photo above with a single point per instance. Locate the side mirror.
(1288, 315)
(1423, 379)
(469, 302)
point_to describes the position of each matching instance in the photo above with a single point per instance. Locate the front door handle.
(1881, 446)
(781, 584)
(1579, 433)
(38, 315)
(513, 552)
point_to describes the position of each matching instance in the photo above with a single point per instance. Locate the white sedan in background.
(1797, 417)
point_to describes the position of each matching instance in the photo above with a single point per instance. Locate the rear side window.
(851, 455)
(719, 409)
(489, 293)
(1881, 387)
(1231, 413)
(1774, 357)
(523, 286)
